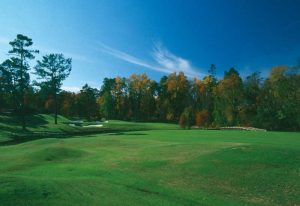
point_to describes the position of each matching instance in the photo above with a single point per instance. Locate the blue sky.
(121, 37)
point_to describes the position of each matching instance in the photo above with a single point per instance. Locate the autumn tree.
(141, 96)
(53, 70)
(201, 118)
(198, 94)
(178, 93)
(186, 118)
(182, 120)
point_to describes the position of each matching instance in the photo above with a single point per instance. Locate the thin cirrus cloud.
(163, 60)
(170, 62)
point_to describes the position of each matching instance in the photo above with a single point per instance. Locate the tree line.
(272, 103)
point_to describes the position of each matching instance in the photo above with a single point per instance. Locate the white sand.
(95, 125)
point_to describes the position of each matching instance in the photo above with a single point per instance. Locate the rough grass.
(153, 167)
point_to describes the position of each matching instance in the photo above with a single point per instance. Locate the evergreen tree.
(21, 54)
(53, 70)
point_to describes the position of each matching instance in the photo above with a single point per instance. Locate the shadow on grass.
(13, 123)
(18, 138)
(33, 121)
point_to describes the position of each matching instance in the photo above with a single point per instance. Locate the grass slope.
(154, 167)
(42, 125)
(35, 123)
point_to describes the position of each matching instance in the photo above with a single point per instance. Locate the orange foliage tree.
(201, 118)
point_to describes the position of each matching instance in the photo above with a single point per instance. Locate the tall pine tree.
(54, 69)
(21, 54)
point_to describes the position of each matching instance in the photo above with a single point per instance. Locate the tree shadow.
(27, 136)
(36, 121)
(32, 121)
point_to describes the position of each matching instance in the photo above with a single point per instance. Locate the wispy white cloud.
(125, 56)
(162, 60)
(170, 62)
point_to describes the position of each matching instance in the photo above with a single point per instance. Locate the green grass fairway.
(154, 167)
